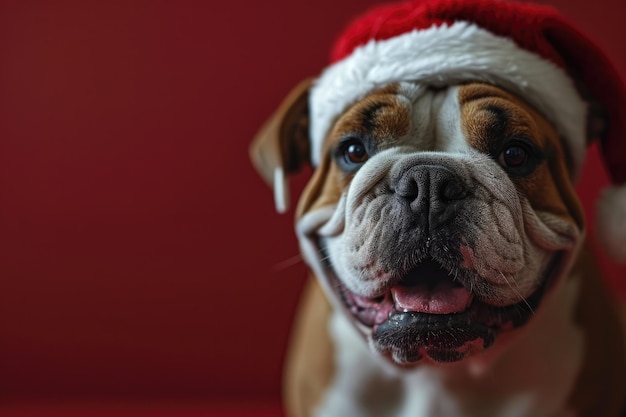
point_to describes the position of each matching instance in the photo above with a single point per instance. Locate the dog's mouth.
(427, 288)
(429, 314)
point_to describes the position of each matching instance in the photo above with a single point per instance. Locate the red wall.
(140, 256)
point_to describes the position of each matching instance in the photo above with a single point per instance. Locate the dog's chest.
(531, 378)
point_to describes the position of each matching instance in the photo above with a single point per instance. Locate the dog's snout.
(430, 184)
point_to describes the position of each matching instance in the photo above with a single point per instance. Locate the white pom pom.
(611, 222)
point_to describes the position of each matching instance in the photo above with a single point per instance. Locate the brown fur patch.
(381, 117)
(309, 367)
(490, 117)
(324, 188)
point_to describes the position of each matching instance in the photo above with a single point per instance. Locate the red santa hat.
(528, 49)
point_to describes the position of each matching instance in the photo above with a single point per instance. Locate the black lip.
(405, 334)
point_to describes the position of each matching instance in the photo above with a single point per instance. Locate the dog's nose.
(429, 186)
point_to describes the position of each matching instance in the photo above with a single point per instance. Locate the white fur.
(450, 137)
(444, 55)
(611, 222)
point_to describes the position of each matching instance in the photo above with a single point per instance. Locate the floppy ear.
(282, 145)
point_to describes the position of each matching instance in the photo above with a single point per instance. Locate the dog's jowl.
(441, 221)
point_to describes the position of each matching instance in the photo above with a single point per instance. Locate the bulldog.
(446, 240)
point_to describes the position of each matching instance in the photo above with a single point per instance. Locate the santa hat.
(528, 49)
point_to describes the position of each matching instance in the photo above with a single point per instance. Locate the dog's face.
(438, 219)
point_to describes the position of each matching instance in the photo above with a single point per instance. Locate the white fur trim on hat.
(448, 54)
(611, 222)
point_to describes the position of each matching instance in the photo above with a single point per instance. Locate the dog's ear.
(281, 146)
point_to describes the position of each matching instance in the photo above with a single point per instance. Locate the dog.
(445, 237)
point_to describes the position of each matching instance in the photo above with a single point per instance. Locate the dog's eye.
(520, 157)
(354, 152)
(513, 156)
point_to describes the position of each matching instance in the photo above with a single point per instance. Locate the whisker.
(324, 258)
(287, 263)
(517, 292)
(337, 285)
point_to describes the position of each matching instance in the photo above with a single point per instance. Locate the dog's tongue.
(433, 295)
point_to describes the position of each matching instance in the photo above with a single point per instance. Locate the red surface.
(140, 257)
(144, 409)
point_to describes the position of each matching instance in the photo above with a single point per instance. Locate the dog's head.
(437, 218)
(442, 209)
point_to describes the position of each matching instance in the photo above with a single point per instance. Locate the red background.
(141, 261)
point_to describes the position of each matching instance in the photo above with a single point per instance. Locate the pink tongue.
(443, 298)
